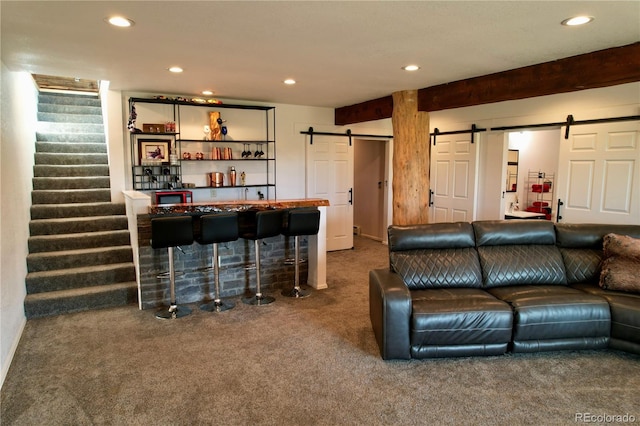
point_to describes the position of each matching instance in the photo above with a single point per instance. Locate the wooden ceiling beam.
(603, 68)
(375, 109)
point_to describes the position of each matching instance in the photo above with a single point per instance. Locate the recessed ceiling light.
(175, 69)
(289, 81)
(577, 20)
(207, 92)
(120, 21)
(411, 68)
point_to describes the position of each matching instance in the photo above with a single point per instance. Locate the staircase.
(80, 256)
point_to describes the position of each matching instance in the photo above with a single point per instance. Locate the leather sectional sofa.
(490, 287)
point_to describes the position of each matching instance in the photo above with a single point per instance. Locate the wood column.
(411, 159)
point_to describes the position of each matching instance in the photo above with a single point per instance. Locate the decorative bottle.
(232, 176)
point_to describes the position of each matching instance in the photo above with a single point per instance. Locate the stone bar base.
(196, 285)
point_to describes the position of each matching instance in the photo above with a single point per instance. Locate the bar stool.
(215, 229)
(170, 232)
(300, 222)
(265, 224)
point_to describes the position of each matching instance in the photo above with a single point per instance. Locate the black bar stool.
(169, 232)
(214, 229)
(263, 224)
(300, 222)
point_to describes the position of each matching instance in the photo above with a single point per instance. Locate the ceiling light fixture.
(411, 68)
(207, 92)
(120, 21)
(289, 81)
(176, 69)
(577, 20)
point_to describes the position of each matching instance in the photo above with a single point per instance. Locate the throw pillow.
(621, 266)
(621, 245)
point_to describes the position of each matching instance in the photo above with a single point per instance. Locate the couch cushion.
(518, 252)
(555, 313)
(625, 311)
(427, 268)
(462, 316)
(521, 265)
(581, 265)
(430, 236)
(514, 232)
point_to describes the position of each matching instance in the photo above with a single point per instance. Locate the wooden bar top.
(235, 205)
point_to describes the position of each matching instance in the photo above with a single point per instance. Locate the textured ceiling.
(340, 52)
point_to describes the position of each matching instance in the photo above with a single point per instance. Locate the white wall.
(18, 117)
(616, 101)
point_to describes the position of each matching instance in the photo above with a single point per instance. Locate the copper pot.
(216, 179)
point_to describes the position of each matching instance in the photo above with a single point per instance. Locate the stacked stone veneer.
(237, 268)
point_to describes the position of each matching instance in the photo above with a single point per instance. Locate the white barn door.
(329, 165)
(453, 178)
(599, 174)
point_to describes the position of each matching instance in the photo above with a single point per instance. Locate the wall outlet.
(213, 193)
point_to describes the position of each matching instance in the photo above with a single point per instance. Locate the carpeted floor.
(296, 362)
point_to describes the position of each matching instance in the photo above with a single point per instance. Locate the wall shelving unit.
(188, 157)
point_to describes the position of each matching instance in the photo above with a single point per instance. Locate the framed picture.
(153, 151)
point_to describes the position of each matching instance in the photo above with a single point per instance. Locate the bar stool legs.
(170, 232)
(174, 310)
(215, 229)
(296, 291)
(265, 224)
(300, 222)
(259, 298)
(217, 304)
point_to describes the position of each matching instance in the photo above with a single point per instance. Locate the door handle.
(351, 196)
(558, 216)
(430, 197)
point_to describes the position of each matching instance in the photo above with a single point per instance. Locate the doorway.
(370, 188)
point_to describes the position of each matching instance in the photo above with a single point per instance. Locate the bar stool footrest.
(258, 300)
(173, 312)
(217, 306)
(298, 293)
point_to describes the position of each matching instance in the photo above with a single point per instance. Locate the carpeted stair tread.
(70, 138)
(65, 259)
(75, 300)
(70, 117)
(84, 276)
(46, 127)
(70, 158)
(75, 210)
(56, 108)
(74, 147)
(66, 196)
(83, 240)
(68, 99)
(76, 225)
(70, 171)
(65, 182)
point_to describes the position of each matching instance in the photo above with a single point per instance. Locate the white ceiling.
(340, 52)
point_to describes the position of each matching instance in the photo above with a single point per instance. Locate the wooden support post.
(411, 158)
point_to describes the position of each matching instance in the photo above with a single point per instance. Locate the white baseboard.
(14, 346)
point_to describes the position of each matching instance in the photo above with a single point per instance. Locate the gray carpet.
(296, 362)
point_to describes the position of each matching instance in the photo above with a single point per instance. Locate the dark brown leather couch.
(489, 287)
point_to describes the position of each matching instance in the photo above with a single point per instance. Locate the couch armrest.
(390, 312)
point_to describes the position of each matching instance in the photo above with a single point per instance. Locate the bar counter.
(237, 278)
(239, 205)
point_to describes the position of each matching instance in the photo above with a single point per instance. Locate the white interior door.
(453, 178)
(599, 174)
(330, 176)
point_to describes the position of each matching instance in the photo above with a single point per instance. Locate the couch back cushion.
(581, 248)
(435, 255)
(518, 252)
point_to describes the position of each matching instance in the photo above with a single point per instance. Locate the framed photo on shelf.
(153, 151)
